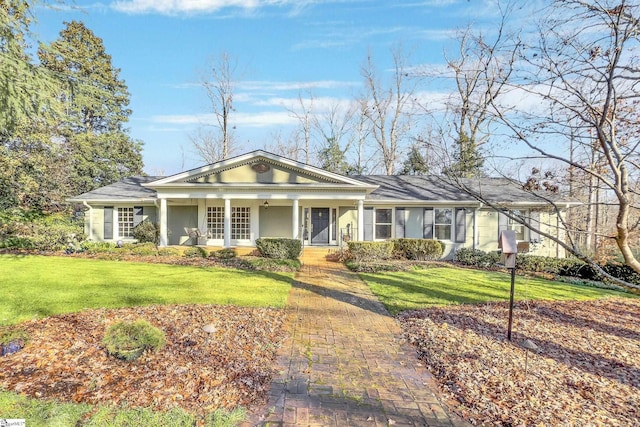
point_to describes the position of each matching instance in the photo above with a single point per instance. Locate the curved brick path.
(344, 362)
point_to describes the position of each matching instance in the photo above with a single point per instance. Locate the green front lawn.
(39, 286)
(439, 285)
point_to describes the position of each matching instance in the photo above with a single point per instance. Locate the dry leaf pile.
(585, 372)
(198, 371)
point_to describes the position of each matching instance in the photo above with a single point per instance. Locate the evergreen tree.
(416, 162)
(96, 103)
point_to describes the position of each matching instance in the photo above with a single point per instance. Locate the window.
(515, 225)
(125, 222)
(241, 223)
(215, 222)
(383, 223)
(443, 218)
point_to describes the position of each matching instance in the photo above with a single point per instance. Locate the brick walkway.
(344, 362)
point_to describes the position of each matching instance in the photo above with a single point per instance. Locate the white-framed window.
(384, 223)
(443, 223)
(215, 222)
(515, 225)
(125, 222)
(240, 223)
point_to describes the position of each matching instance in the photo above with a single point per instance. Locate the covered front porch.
(238, 222)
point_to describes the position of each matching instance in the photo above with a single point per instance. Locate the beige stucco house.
(259, 194)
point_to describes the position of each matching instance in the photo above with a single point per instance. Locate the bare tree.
(304, 117)
(481, 70)
(335, 131)
(216, 142)
(580, 75)
(389, 107)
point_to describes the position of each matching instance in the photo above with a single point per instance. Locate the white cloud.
(170, 7)
(260, 119)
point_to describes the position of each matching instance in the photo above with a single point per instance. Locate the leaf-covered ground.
(198, 371)
(586, 371)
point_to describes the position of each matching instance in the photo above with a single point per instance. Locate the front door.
(319, 226)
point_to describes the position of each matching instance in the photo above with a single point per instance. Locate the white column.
(360, 220)
(227, 223)
(295, 223)
(163, 223)
(476, 231)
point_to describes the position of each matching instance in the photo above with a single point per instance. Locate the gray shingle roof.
(127, 189)
(435, 188)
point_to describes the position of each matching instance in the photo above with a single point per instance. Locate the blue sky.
(283, 48)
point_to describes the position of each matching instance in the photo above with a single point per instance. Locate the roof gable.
(256, 168)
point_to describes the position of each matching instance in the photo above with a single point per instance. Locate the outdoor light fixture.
(530, 346)
(266, 204)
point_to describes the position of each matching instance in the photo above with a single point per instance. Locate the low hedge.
(477, 258)
(279, 248)
(370, 251)
(195, 252)
(418, 249)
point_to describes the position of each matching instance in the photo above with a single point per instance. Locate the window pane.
(241, 223)
(383, 231)
(443, 232)
(125, 222)
(215, 222)
(443, 216)
(383, 216)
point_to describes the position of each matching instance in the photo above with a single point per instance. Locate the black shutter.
(534, 221)
(400, 223)
(368, 224)
(138, 212)
(427, 223)
(108, 222)
(503, 223)
(461, 225)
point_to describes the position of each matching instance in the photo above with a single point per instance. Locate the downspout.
(476, 232)
(87, 205)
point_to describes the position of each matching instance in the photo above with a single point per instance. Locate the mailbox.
(509, 246)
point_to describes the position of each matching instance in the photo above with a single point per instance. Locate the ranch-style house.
(258, 194)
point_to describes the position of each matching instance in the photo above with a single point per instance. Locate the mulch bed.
(585, 372)
(197, 371)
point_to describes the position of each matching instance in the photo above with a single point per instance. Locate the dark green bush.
(477, 258)
(272, 264)
(43, 233)
(195, 252)
(418, 249)
(370, 251)
(279, 248)
(127, 340)
(146, 232)
(226, 253)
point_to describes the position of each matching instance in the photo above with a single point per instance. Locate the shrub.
(226, 253)
(370, 251)
(418, 249)
(144, 249)
(279, 248)
(477, 258)
(43, 233)
(93, 248)
(127, 340)
(168, 252)
(273, 264)
(146, 232)
(195, 252)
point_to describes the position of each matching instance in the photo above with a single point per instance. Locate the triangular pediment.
(258, 168)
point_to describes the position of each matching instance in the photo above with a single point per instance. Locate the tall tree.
(25, 88)
(481, 69)
(214, 141)
(336, 135)
(416, 162)
(581, 78)
(96, 103)
(389, 107)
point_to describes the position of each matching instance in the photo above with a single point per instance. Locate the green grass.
(39, 286)
(422, 288)
(46, 413)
